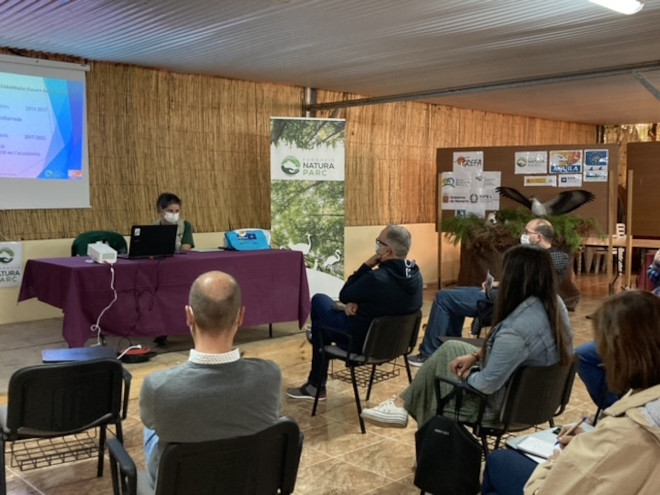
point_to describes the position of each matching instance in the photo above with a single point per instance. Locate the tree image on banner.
(310, 218)
(307, 196)
(299, 134)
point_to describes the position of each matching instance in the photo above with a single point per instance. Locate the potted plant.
(483, 241)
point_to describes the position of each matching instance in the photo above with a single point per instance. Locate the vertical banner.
(307, 196)
(11, 262)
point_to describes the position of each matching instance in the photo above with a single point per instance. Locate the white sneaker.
(387, 412)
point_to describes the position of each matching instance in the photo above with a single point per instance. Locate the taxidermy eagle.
(562, 203)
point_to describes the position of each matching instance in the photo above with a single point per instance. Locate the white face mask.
(524, 239)
(171, 217)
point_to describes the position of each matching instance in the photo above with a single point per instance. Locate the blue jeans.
(323, 314)
(506, 473)
(448, 312)
(592, 373)
(150, 447)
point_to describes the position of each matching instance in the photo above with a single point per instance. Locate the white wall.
(360, 244)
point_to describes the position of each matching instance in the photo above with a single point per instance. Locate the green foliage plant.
(477, 233)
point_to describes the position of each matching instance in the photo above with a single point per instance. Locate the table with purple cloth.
(152, 293)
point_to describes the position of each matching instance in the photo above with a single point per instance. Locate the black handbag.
(448, 456)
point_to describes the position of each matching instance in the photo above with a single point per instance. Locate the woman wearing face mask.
(169, 209)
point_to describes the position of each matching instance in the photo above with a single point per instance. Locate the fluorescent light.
(622, 6)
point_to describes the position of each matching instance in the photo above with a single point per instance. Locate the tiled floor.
(336, 458)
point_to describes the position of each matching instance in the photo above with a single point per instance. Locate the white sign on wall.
(11, 263)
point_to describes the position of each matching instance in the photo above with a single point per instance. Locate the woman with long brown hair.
(530, 327)
(621, 454)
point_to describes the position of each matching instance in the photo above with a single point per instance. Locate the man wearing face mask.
(169, 209)
(216, 393)
(386, 284)
(451, 307)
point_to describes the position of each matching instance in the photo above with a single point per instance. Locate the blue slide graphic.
(41, 127)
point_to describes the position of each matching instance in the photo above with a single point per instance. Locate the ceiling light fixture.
(627, 7)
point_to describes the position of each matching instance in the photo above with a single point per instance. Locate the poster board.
(570, 166)
(503, 159)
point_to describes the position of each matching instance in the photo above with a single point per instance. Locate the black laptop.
(151, 241)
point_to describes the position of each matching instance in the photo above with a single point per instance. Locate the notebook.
(151, 241)
(540, 445)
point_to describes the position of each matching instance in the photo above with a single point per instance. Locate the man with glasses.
(450, 307)
(386, 284)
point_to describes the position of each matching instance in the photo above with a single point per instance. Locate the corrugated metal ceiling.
(373, 47)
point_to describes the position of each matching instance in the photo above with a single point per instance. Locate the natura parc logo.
(448, 182)
(6, 255)
(290, 165)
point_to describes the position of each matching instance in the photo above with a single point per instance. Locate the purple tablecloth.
(152, 293)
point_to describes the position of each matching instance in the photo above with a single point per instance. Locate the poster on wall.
(468, 163)
(540, 181)
(454, 194)
(307, 196)
(11, 263)
(530, 162)
(474, 196)
(565, 161)
(487, 194)
(570, 180)
(596, 165)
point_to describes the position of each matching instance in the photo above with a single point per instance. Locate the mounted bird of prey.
(562, 203)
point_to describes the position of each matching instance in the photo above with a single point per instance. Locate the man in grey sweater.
(215, 394)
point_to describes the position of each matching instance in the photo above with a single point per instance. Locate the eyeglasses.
(381, 243)
(529, 232)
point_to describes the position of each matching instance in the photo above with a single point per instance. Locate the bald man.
(216, 393)
(450, 307)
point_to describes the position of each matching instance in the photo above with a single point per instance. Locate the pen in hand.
(571, 430)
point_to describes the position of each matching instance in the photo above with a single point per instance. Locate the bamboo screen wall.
(207, 140)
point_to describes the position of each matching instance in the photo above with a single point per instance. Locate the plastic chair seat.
(263, 463)
(115, 240)
(534, 395)
(388, 338)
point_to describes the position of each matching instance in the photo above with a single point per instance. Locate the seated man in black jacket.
(394, 288)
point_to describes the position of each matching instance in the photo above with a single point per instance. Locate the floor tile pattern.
(336, 458)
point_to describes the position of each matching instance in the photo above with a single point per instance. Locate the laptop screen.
(152, 241)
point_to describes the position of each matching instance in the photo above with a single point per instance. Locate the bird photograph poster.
(307, 158)
(566, 161)
(596, 165)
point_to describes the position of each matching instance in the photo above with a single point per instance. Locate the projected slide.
(41, 128)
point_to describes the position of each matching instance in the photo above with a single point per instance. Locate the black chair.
(484, 317)
(534, 395)
(264, 463)
(115, 240)
(388, 338)
(57, 400)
